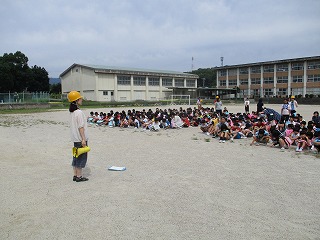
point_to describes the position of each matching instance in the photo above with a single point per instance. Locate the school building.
(104, 84)
(298, 76)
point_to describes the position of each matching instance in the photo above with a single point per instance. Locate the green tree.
(39, 81)
(207, 77)
(17, 76)
(55, 88)
(6, 78)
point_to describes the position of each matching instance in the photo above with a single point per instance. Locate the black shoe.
(74, 178)
(81, 179)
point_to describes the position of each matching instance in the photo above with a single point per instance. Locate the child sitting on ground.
(280, 139)
(261, 136)
(303, 142)
(155, 125)
(316, 141)
(222, 130)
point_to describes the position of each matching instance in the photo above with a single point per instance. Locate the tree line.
(17, 76)
(207, 77)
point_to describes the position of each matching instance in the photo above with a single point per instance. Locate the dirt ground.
(179, 184)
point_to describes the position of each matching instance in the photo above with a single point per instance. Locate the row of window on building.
(155, 81)
(270, 92)
(270, 68)
(268, 80)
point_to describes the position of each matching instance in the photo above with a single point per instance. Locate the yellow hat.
(217, 96)
(74, 96)
(292, 96)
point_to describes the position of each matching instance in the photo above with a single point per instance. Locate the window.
(105, 93)
(167, 82)
(124, 80)
(296, 79)
(282, 68)
(282, 91)
(154, 81)
(223, 82)
(222, 73)
(243, 71)
(267, 80)
(179, 82)
(244, 81)
(233, 82)
(268, 92)
(268, 68)
(296, 91)
(191, 83)
(232, 72)
(297, 66)
(256, 92)
(283, 79)
(314, 65)
(139, 81)
(314, 78)
(255, 80)
(314, 91)
(256, 69)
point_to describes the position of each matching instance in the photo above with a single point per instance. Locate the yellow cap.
(292, 97)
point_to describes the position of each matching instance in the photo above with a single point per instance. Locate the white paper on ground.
(114, 168)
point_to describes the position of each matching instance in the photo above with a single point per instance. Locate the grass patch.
(24, 111)
(8, 121)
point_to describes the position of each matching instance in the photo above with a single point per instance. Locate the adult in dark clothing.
(272, 114)
(260, 106)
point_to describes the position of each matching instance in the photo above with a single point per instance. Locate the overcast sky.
(158, 34)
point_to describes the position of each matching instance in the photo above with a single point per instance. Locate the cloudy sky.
(158, 34)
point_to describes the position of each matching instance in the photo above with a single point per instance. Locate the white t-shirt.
(285, 109)
(78, 120)
(218, 105)
(178, 121)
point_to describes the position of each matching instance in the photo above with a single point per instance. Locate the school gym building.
(105, 84)
(298, 76)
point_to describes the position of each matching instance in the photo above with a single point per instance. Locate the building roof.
(313, 58)
(135, 71)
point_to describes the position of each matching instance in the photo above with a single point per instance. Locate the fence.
(24, 97)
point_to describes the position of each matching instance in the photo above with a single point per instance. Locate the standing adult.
(79, 134)
(199, 103)
(285, 110)
(246, 105)
(259, 106)
(218, 105)
(293, 105)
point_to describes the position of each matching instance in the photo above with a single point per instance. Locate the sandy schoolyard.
(177, 185)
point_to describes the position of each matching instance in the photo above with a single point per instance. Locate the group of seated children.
(147, 120)
(263, 127)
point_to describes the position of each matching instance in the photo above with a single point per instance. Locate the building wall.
(80, 79)
(278, 78)
(104, 86)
